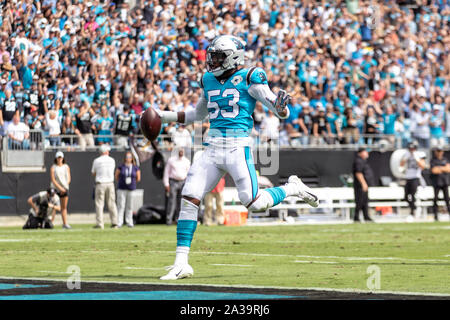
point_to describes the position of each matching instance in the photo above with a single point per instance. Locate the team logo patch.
(262, 76)
(236, 80)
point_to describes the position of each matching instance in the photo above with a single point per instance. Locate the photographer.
(41, 203)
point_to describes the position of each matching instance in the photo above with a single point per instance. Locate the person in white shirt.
(60, 180)
(270, 128)
(181, 137)
(103, 171)
(18, 134)
(175, 173)
(54, 128)
(422, 130)
(414, 164)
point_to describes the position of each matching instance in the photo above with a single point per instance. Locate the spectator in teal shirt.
(389, 118)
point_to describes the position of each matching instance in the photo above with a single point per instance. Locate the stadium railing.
(26, 155)
(373, 141)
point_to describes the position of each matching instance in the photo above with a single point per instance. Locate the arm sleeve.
(199, 113)
(263, 94)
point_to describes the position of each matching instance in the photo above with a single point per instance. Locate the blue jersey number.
(214, 113)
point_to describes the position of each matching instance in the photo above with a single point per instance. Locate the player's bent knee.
(245, 197)
(193, 200)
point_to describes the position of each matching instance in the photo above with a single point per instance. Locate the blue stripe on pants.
(277, 193)
(185, 232)
(252, 171)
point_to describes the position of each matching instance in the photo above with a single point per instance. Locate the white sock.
(290, 189)
(181, 255)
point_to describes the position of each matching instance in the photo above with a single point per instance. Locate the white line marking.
(306, 256)
(230, 265)
(138, 268)
(244, 286)
(261, 255)
(305, 261)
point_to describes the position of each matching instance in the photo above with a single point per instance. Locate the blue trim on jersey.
(252, 171)
(185, 232)
(277, 194)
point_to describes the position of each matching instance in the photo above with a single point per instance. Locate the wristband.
(168, 116)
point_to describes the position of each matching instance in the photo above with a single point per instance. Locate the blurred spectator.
(354, 55)
(175, 173)
(103, 169)
(440, 178)
(18, 134)
(127, 176)
(84, 126)
(124, 126)
(104, 125)
(270, 129)
(60, 179)
(216, 195)
(413, 163)
(53, 127)
(321, 130)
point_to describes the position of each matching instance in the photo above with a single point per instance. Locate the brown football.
(150, 124)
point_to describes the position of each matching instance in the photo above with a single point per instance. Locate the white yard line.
(244, 286)
(261, 255)
(138, 268)
(320, 262)
(307, 256)
(230, 265)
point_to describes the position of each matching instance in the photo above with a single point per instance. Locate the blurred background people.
(60, 179)
(440, 179)
(103, 171)
(413, 164)
(362, 179)
(42, 205)
(213, 217)
(175, 173)
(127, 176)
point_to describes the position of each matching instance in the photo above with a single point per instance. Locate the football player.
(230, 92)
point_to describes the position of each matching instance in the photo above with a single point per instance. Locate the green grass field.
(412, 257)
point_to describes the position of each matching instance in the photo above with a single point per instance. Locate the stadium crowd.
(353, 68)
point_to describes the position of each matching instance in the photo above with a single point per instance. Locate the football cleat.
(178, 272)
(304, 191)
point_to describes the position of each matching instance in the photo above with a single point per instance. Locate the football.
(150, 124)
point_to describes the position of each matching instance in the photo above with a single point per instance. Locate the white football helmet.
(224, 53)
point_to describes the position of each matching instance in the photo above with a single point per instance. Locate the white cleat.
(178, 272)
(304, 192)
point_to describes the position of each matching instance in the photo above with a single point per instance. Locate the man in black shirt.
(363, 178)
(305, 123)
(124, 126)
(84, 126)
(440, 178)
(321, 127)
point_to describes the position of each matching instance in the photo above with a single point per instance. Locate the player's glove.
(281, 101)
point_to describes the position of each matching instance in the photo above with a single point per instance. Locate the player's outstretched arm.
(259, 90)
(198, 114)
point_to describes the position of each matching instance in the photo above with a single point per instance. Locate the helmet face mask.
(224, 53)
(215, 60)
